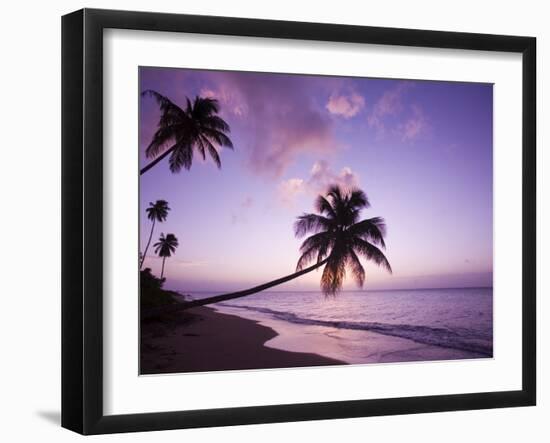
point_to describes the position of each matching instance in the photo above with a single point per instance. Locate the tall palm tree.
(338, 239)
(182, 131)
(165, 247)
(157, 211)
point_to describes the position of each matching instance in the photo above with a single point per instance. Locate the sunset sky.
(422, 151)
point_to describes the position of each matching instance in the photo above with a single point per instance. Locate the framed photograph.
(269, 221)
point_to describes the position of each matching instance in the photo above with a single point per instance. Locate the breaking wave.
(460, 339)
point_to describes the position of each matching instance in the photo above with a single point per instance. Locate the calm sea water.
(459, 319)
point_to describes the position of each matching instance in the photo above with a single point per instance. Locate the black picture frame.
(82, 218)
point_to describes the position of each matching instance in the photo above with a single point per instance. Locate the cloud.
(414, 126)
(189, 263)
(321, 176)
(275, 119)
(408, 121)
(283, 120)
(289, 189)
(346, 106)
(230, 99)
(177, 262)
(389, 104)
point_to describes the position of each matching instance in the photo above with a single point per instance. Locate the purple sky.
(422, 151)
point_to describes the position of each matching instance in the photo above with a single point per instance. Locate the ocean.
(375, 326)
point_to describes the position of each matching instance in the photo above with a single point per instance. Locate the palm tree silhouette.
(198, 127)
(338, 239)
(165, 247)
(157, 211)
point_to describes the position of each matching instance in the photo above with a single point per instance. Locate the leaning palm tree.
(157, 211)
(165, 247)
(180, 132)
(339, 239)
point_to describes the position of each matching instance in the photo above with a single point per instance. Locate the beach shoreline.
(202, 339)
(351, 346)
(224, 338)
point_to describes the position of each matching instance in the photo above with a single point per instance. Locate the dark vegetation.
(152, 294)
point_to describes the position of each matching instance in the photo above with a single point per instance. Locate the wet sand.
(351, 346)
(202, 339)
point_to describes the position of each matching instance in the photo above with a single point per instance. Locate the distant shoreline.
(201, 339)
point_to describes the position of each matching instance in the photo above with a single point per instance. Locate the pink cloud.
(414, 126)
(282, 122)
(320, 178)
(230, 99)
(289, 189)
(389, 104)
(411, 123)
(275, 119)
(346, 106)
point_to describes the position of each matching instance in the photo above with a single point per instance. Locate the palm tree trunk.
(148, 243)
(229, 296)
(162, 272)
(156, 160)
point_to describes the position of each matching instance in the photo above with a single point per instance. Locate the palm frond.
(356, 267)
(168, 109)
(219, 137)
(213, 153)
(357, 199)
(200, 144)
(158, 143)
(205, 106)
(371, 229)
(189, 106)
(324, 248)
(371, 252)
(159, 244)
(311, 223)
(163, 101)
(306, 257)
(323, 206)
(181, 157)
(334, 272)
(336, 193)
(313, 246)
(216, 123)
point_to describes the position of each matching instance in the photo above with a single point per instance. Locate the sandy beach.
(202, 339)
(351, 346)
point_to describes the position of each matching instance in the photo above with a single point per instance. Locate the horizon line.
(356, 290)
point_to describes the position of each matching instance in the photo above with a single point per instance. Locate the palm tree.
(157, 211)
(181, 132)
(338, 239)
(165, 247)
